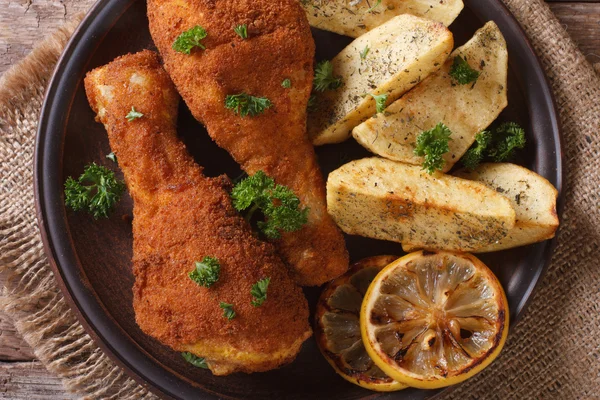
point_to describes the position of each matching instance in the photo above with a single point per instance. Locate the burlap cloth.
(554, 353)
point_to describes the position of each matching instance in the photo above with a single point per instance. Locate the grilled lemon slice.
(337, 327)
(434, 319)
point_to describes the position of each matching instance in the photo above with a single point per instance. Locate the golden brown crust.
(180, 216)
(279, 46)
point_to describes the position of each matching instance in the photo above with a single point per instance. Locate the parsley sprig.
(133, 114)
(206, 272)
(324, 79)
(506, 139)
(280, 206)
(432, 145)
(312, 103)
(96, 191)
(364, 52)
(112, 157)
(190, 39)
(380, 100)
(242, 31)
(374, 6)
(462, 72)
(193, 359)
(243, 104)
(259, 292)
(286, 84)
(228, 311)
(497, 145)
(478, 150)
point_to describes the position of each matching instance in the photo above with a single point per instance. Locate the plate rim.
(74, 299)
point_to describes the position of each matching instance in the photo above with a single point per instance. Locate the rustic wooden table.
(23, 23)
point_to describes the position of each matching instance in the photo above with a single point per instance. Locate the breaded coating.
(279, 46)
(181, 216)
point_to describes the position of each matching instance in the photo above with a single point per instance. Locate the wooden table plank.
(30, 381)
(24, 22)
(582, 21)
(12, 346)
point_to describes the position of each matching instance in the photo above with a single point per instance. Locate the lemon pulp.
(337, 329)
(432, 319)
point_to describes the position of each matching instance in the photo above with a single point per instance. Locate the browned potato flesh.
(532, 197)
(465, 109)
(388, 200)
(356, 17)
(401, 53)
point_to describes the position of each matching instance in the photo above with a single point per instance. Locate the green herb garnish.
(133, 115)
(242, 31)
(506, 139)
(206, 272)
(432, 145)
(324, 79)
(227, 310)
(96, 191)
(375, 6)
(280, 206)
(461, 72)
(380, 100)
(286, 83)
(478, 150)
(190, 39)
(312, 103)
(259, 292)
(112, 157)
(364, 52)
(193, 359)
(244, 104)
(498, 145)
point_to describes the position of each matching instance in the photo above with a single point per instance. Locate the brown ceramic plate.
(92, 259)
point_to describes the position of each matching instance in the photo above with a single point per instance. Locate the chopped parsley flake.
(374, 7)
(206, 272)
(432, 145)
(380, 100)
(259, 292)
(112, 157)
(193, 359)
(243, 104)
(242, 31)
(461, 72)
(133, 114)
(190, 39)
(364, 52)
(324, 79)
(227, 310)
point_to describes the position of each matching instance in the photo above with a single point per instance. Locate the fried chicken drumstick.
(277, 46)
(180, 217)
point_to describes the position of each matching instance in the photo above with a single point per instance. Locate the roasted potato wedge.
(388, 200)
(532, 197)
(402, 52)
(356, 17)
(465, 109)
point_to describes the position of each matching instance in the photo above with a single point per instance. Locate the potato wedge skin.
(340, 16)
(465, 109)
(388, 200)
(532, 197)
(402, 52)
